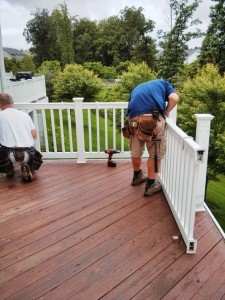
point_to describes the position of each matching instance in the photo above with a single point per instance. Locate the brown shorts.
(137, 146)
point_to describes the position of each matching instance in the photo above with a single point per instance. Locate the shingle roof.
(13, 51)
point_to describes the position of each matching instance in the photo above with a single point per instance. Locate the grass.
(94, 138)
(215, 199)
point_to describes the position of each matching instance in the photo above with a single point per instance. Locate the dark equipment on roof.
(24, 75)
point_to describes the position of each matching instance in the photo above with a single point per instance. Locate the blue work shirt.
(149, 96)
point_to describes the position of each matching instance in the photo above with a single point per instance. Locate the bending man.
(149, 105)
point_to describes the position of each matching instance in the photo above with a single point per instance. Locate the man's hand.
(172, 102)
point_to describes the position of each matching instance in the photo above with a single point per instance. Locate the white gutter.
(2, 66)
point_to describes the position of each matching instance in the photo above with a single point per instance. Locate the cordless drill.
(111, 152)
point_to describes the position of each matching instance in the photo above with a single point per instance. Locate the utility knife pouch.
(127, 130)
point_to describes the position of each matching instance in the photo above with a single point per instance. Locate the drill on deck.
(111, 152)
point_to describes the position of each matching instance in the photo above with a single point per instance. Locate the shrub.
(76, 81)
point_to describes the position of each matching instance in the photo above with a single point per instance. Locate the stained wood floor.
(81, 231)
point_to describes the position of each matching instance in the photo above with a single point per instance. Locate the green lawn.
(215, 199)
(86, 133)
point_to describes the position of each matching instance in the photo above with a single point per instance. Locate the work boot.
(152, 189)
(139, 178)
(26, 172)
(10, 173)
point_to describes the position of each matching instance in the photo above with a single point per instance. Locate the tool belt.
(35, 157)
(35, 160)
(143, 126)
(127, 130)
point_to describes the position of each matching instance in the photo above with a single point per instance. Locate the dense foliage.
(212, 50)
(174, 42)
(109, 41)
(206, 93)
(121, 89)
(76, 81)
(49, 69)
(13, 65)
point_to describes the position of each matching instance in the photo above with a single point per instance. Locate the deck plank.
(81, 231)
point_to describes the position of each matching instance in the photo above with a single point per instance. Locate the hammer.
(155, 139)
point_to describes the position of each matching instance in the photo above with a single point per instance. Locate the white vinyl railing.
(180, 180)
(83, 130)
(27, 91)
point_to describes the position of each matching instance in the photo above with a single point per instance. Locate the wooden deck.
(81, 231)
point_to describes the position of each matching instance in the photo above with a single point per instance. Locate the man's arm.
(34, 133)
(172, 102)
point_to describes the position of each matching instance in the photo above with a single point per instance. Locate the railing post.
(79, 130)
(173, 115)
(202, 138)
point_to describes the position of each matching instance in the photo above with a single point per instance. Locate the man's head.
(6, 101)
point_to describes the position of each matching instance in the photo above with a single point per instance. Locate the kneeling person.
(17, 135)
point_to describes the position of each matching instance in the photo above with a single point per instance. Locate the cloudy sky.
(14, 14)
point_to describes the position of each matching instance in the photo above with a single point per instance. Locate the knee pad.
(5, 165)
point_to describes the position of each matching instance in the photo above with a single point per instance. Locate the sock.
(136, 173)
(150, 181)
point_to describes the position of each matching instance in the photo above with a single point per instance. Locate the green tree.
(49, 69)
(85, 35)
(174, 43)
(76, 81)
(126, 38)
(40, 33)
(96, 67)
(15, 65)
(136, 74)
(12, 65)
(103, 72)
(205, 93)
(135, 37)
(62, 23)
(107, 44)
(212, 50)
(27, 64)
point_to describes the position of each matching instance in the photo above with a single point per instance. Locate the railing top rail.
(85, 105)
(58, 105)
(102, 105)
(186, 141)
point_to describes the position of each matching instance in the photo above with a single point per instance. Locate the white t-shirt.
(15, 128)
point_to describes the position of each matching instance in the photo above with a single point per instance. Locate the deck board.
(81, 231)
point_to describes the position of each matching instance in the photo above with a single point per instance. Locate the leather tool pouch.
(35, 160)
(18, 155)
(127, 130)
(146, 129)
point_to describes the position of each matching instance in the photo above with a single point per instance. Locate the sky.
(14, 14)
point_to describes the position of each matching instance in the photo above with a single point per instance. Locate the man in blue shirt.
(149, 105)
